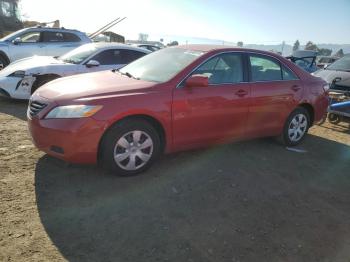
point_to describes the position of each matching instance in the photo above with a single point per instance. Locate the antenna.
(106, 27)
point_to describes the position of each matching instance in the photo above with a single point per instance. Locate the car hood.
(330, 75)
(30, 63)
(92, 86)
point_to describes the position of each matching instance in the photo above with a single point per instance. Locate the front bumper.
(72, 140)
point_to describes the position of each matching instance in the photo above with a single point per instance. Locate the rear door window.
(288, 74)
(264, 68)
(109, 57)
(53, 37)
(127, 56)
(69, 37)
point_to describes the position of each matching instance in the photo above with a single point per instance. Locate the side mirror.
(16, 41)
(92, 63)
(197, 81)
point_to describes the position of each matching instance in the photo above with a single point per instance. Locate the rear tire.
(334, 119)
(130, 147)
(295, 127)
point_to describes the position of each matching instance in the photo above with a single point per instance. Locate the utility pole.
(283, 44)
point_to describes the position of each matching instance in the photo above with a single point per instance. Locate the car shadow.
(249, 201)
(13, 107)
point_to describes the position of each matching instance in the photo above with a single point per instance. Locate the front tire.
(130, 147)
(3, 62)
(296, 127)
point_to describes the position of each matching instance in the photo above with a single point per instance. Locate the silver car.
(43, 41)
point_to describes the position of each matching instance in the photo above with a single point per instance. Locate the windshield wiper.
(69, 61)
(126, 74)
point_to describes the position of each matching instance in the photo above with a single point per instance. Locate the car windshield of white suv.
(162, 65)
(343, 64)
(79, 54)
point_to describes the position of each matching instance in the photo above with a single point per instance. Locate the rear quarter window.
(69, 37)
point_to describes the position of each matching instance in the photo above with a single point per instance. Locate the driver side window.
(222, 69)
(29, 37)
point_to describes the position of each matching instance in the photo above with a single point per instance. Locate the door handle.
(295, 88)
(241, 93)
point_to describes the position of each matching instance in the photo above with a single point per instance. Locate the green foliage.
(324, 51)
(296, 45)
(240, 44)
(173, 43)
(311, 46)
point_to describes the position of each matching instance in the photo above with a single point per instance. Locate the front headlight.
(73, 111)
(18, 73)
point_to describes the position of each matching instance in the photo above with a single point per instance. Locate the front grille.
(35, 107)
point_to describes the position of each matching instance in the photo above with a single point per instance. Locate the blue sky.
(250, 21)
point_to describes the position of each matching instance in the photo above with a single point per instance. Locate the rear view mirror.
(197, 81)
(16, 41)
(92, 63)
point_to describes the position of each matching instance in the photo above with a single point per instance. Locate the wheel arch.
(150, 119)
(40, 77)
(4, 55)
(310, 110)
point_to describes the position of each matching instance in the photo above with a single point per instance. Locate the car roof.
(43, 28)
(107, 45)
(211, 48)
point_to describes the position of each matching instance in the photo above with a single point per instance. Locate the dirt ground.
(248, 201)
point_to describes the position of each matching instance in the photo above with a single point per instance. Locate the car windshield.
(162, 65)
(343, 64)
(79, 54)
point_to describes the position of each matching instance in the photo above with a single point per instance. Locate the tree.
(173, 43)
(324, 51)
(311, 46)
(240, 44)
(339, 53)
(296, 45)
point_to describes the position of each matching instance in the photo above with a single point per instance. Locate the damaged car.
(20, 79)
(337, 74)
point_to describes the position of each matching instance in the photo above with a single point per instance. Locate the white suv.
(43, 41)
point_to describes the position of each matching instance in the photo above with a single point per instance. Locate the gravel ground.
(248, 201)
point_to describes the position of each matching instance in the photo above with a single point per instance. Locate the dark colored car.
(337, 74)
(174, 99)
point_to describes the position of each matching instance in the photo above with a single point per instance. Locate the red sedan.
(174, 99)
